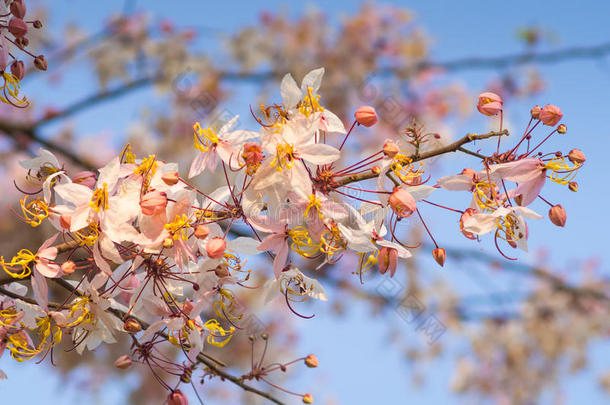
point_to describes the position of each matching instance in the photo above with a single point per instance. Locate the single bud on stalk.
(573, 186)
(557, 215)
(37, 24)
(366, 115)
(550, 115)
(177, 397)
(18, 69)
(489, 104)
(388, 260)
(170, 178)
(577, 156)
(123, 362)
(390, 149)
(375, 170)
(307, 399)
(202, 231)
(439, 255)
(18, 8)
(40, 62)
(132, 326)
(402, 203)
(68, 267)
(86, 178)
(22, 42)
(153, 202)
(215, 247)
(311, 361)
(17, 27)
(562, 129)
(535, 112)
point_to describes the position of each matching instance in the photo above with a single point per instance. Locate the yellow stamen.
(10, 89)
(204, 138)
(404, 169)
(302, 242)
(562, 171)
(99, 201)
(127, 155)
(34, 212)
(227, 306)
(315, 203)
(178, 229)
(19, 266)
(216, 332)
(284, 157)
(310, 104)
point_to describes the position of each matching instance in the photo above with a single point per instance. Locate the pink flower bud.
(40, 62)
(535, 112)
(573, 186)
(576, 156)
(132, 326)
(550, 115)
(17, 27)
(18, 69)
(18, 8)
(153, 202)
(388, 260)
(311, 361)
(307, 399)
(177, 398)
(86, 178)
(562, 129)
(440, 256)
(188, 307)
(390, 149)
(202, 231)
(402, 202)
(170, 178)
(252, 154)
(123, 362)
(489, 104)
(68, 267)
(557, 215)
(366, 115)
(37, 24)
(215, 247)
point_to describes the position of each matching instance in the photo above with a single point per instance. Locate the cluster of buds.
(13, 36)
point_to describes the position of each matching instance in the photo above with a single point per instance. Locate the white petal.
(312, 79)
(291, 94)
(319, 154)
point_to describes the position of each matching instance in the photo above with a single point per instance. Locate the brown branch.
(16, 130)
(453, 147)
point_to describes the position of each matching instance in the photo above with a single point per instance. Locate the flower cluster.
(144, 252)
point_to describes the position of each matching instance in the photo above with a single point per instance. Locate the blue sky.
(358, 364)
